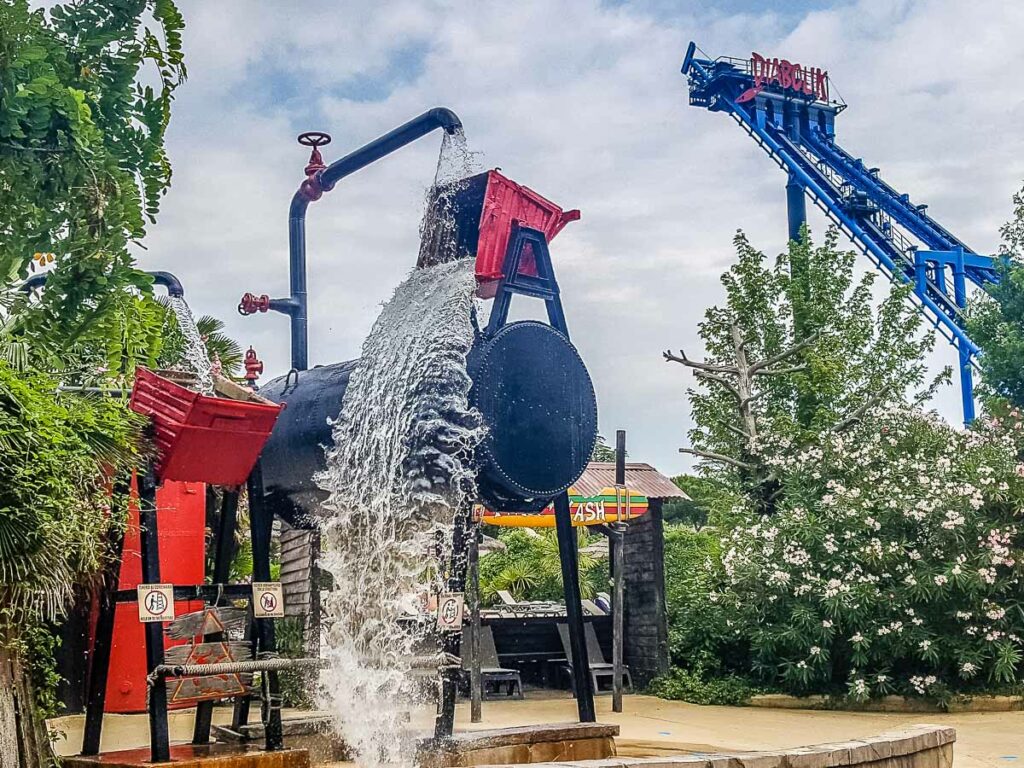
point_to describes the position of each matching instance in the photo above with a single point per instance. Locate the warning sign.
(267, 600)
(156, 602)
(449, 612)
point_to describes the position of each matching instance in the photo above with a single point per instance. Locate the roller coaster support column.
(796, 206)
(966, 374)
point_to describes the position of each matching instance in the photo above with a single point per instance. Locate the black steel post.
(451, 642)
(225, 552)
(261, 523)
(473, 599)
(567, 551)
(99, 663)
(618, 541)
(159, 744)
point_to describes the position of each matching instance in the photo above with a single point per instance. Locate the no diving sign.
(267, 600)
(156, 602)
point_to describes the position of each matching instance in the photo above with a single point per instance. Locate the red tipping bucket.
(484, 208)
(201, 438)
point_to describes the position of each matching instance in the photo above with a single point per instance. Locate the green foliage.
(56, 453)
(889, 563)
(85, 93)
(695, 687)
(530, 568)
(890, 566)
(707, 498)
(291, 644)
(82, 162)
(996, 321)
(602, 451)
(697, 631)
(861, 358)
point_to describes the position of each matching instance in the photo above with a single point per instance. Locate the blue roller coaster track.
(793, 121)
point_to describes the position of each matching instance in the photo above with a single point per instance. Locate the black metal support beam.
(618, 541)
(451, 642)
(473, 605)
(99, 663)
(159, 745)
(261, 521)
(574, 609)
(225, 552)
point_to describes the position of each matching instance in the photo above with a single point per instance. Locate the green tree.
(996, 319)
(707, 498)
(887, 562)
(796, 352)
(83, 165)
(602, 451)
(85, 95)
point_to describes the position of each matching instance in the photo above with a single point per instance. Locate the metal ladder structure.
(775, 103)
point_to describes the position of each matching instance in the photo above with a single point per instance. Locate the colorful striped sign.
(586, 510)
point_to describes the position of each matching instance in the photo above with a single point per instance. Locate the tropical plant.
(221, 348)
(529, 567)
(59, 457)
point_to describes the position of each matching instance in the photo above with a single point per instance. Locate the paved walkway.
(652, 726)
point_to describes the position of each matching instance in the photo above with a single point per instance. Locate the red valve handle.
(314, 138)
(251, 304)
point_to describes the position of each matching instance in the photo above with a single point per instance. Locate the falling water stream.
(399, 471)
(196, 356)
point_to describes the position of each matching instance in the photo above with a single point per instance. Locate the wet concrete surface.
(651, 726)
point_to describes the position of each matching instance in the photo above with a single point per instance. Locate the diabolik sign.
(796, 78)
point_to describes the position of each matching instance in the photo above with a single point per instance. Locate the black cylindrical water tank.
(533, 392)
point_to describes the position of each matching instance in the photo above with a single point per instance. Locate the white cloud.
(584, 102)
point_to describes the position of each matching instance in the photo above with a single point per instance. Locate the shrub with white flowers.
(891, 563)
(869, 547)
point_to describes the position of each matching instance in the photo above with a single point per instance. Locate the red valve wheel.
(314, 138)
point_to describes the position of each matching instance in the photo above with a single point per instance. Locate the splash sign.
(598, 509)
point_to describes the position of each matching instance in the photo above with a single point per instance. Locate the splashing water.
(437, 229)
(196, 356)
(398, 473)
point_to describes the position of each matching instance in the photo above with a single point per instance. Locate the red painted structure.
(493, 202)
(181, 521)
(201, 438)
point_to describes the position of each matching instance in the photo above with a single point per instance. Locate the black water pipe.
(322, 179)
(166, 279)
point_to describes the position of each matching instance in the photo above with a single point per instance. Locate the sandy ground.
(652, 726)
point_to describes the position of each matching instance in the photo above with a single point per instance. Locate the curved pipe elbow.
(166, 279)
(446, 119)
(170, 282)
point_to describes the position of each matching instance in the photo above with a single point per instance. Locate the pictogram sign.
(449, 612)
(156, 602)
(267, 600)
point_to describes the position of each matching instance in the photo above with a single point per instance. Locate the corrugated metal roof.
(640, 477)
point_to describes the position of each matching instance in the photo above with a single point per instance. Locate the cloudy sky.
(583, 101)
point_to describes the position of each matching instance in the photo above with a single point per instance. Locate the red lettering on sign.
(788, 76)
